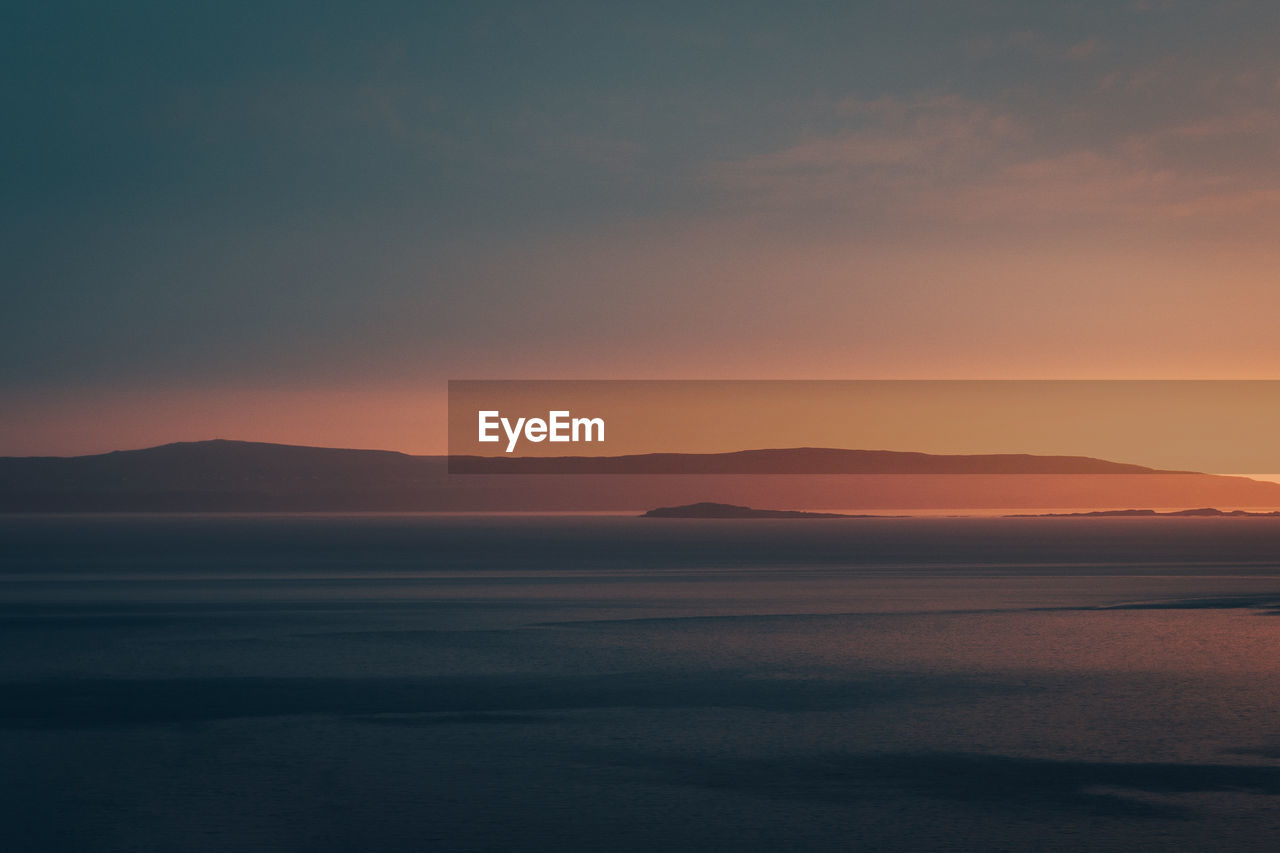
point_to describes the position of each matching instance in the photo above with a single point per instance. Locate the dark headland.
(710, 509)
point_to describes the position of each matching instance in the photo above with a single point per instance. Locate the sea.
(318, 683)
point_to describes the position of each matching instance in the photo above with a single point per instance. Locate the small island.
(708, 509)
(1204, 512)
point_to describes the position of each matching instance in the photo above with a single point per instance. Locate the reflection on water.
(468, 683)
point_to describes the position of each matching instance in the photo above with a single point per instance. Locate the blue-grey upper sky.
(253, 198)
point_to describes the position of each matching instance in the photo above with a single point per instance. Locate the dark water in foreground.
(417, 683)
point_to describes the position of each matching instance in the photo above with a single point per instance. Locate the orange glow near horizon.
(904, 312)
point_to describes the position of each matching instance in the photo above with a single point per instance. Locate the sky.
(289, 221)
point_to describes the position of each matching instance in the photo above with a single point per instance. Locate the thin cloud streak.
(945, 158)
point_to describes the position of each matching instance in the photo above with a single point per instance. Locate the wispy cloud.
(955, 159)
(897, 146)
(1033, 44)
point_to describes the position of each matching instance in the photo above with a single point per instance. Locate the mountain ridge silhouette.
(244, 476)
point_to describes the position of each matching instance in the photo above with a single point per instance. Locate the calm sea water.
(558, 683)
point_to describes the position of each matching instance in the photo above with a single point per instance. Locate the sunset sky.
(294, 222)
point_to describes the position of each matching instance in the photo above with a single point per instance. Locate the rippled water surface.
(382, 683)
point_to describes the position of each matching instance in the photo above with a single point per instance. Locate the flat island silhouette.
(1202, 512)
(710, 509)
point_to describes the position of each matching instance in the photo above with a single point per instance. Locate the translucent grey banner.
(864, 427)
